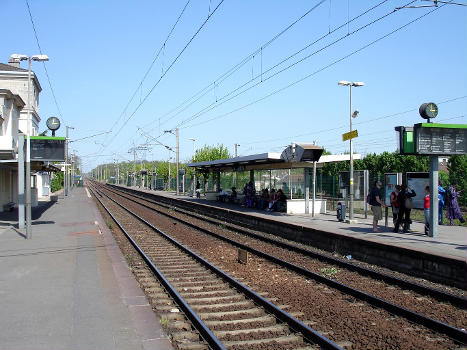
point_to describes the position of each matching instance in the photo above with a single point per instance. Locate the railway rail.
(437, 326)
(227, 314)
(441, 295)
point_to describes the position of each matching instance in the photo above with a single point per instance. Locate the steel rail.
(295, 324)
(437, 294)
(435, 325)
(205, 332)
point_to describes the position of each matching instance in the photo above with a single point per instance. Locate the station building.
(14, 110)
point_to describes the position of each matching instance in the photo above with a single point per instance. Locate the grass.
(329, 272)
(109, 224)
(165, 322)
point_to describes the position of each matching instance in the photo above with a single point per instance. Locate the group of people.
(401, 203)
(271, 201)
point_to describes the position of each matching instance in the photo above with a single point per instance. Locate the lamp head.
(344, 83)
(355, 113)
(40, 58)
(18, 57)
(358, 83)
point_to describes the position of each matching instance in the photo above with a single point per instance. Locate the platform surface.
(450, 242)
(69, 287)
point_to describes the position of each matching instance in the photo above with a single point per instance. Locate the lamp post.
(194, 171)
(352, 115)
(40, 58)
(66, 179)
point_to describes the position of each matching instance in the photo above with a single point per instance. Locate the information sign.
(349, 135)
(47, 148)
(440, 139)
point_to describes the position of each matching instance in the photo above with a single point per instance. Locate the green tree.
(208, 153)
(457, 166)
(57, 182)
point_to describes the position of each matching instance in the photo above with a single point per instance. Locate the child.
(426, 209)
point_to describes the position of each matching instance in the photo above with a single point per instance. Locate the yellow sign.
(349, 135)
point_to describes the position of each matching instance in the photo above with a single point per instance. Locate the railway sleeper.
(271, 343)
(212, 282)
(203, 288)
(190, 276)
(274, 331)
(216, 299)
(186, 335)
(192, 346)
(207, 294)
(261, 321)
(240, 314)
(239, 305)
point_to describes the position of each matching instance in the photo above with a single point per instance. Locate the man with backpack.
(376, 204)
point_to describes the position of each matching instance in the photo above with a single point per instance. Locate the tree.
(457, 166)
(208, 153)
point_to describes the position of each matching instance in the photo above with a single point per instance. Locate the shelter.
(289, 170)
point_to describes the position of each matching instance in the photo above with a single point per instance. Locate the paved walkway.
(451, 240)
(69, 287)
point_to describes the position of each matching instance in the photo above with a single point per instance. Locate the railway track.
(440, 295)
(227, 314)
(453, 332)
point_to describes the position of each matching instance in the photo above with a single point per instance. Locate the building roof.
(17, 98)
(10, 68)
(265, 161)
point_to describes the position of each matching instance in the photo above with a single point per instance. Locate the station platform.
(450, 242)
(69, 287)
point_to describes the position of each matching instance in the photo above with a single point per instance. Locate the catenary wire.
(163, 75)
(43, 63)
(217, 104)
(315, 72)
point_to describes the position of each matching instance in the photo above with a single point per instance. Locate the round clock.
(428, 110)
(53, 123)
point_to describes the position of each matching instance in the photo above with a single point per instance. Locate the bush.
(57, 182)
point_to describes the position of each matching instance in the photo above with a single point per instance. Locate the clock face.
(53, 123)
(431, 110)
(428, 110)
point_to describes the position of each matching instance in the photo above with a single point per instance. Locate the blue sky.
(100, 50)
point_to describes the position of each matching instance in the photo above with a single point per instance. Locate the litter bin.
(341, 211)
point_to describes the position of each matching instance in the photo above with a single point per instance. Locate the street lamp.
(39, 58)
(193, 140)
(352, 115)
(194, 171)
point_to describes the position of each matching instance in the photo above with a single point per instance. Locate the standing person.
(426, 209)
(441, 194)
(395, 204)
(405, 206)
(376, 204)
(281, 201)
(453, 211)
(198, 189)
(272, 200)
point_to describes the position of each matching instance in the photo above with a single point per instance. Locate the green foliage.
(381, 163)
(208, 153)
(57, 182)
(457, 166)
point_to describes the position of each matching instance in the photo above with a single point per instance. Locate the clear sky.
(100, 52)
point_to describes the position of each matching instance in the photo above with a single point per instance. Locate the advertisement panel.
(390, 182)
(418, 182)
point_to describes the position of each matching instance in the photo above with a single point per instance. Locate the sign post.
(433, 140)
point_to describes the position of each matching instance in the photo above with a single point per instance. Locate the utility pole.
(235, 173)
(66, 179)
(177, 149)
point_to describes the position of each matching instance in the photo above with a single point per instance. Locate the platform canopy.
(296, 155)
